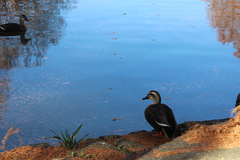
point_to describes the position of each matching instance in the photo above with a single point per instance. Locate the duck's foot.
(158, 134)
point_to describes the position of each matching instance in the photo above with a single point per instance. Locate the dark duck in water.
(160, 116)
(14, 28)
(238, 100)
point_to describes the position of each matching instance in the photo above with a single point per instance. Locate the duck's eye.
(150, 95)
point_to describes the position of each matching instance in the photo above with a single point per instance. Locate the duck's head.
(23, 18)
(153, 95)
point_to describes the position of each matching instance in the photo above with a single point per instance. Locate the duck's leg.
(158, 134)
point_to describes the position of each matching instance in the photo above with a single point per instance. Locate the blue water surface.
(109, 55)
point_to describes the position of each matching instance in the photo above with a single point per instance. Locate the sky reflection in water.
(108, 55)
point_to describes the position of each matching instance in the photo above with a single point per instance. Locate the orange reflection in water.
(225, 17)
(3, 94)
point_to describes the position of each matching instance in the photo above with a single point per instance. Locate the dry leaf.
(114, 119)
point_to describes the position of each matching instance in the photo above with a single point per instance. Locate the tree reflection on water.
(3, 94)
(225, 17)
(45, 28)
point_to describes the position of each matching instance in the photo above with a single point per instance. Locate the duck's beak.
(145, 98)
(26, 19)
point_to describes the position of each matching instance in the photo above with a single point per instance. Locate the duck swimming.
(238, 100)
(160, 116)
(14, 27)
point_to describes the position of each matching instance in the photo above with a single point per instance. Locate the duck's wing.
(160, 116)
(2, 28)
(10, 27)
(166, 120)
(170, 132)
(170, 116)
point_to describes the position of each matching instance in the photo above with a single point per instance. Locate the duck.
(159, 115)
(14, 27)
(238, 100)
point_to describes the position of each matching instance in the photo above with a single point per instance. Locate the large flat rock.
(216, 154)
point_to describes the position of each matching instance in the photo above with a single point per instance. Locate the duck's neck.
(156, 101)
(22, 22)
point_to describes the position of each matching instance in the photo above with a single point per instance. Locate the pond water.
(88, 62)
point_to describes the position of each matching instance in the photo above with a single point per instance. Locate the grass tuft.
(67, 140)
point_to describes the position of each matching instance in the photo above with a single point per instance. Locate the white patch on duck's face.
(154, 96)
(22, 19)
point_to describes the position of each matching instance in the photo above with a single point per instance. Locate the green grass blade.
(84, 137)
(76, 132)
(55, 137)
(64, 139)
(55, 133)
(67, 136)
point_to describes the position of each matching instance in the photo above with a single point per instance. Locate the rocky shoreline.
(135, 145)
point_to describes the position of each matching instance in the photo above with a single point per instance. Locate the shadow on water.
(27, 49)
(225, 16)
